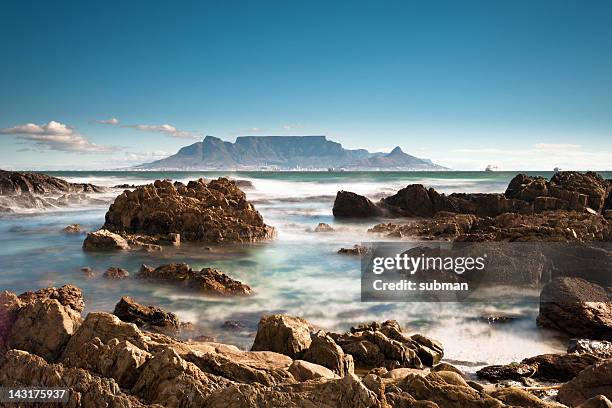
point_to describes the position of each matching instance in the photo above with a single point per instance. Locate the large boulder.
(572, 186)
(324, 351)
(577, 307)
(207, 281)
(283, 334)
(217, 211)
(413, 200)
(351, 205)
(128, 310)
(104, 240)
(592, 381)
(43, 327)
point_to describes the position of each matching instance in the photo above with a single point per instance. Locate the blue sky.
(518, 84)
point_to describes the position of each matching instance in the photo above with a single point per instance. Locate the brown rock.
(72, 229)
(104, 240)
(591, 382)
(304, 371)
(351, 205)
(598, 401)
(324, 351)
(116, 273)
(599, 348)
(283, 334)
(9, 306)
(355, 250)
(68, 295)
(323, 227)
(144, 316)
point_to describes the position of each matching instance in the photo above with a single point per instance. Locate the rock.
(351, 205)
(448, 367)
(324, 351)
(234, 325)
(599, 348)
(355, 250)
(68, 295)
(598, 401)
(527, 188)
(20, 368)
(516, 397)
(207, 281)
(116, 273)
(19, 183)
(43, 327)
(576, 307)
(104, 240)
(590, 382)
(513, 371)
(72, 229)
(304, 371)
(217, 211)
(283, 334)
(399, 373)
(323, 227)
(9, 306)
(144, 316)
(413, 200)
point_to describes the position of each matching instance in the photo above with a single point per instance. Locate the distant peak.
(397, 150)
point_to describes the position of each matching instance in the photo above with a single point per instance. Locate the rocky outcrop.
(104, 240)
(128, 310)
(351, 205)
(599, 348)
(72, 229)
(207, 281)
(18, 183)
(355, 250)
(591, 382)
(577, 307)
(68, 295)
(115, 272)
(217, 211)
(283, 334)
(324, 351)
(323, 227)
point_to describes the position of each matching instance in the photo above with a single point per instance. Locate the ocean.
(298, 273)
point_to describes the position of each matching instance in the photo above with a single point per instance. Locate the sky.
(521, 85)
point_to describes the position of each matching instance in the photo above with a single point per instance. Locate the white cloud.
(111, 121)
(56, 136)
(166, 129)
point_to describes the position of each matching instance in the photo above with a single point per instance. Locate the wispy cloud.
(165, 128)
(56, 136)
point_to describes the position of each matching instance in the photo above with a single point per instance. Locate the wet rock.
(43, 327)
(576, 307)
(599, 348)
(207, 281)
(513, 371)
(351, 205)
(217, 211)
(72, 229)
(128, 310)
(323, 227)
(234, 325)
(20, 183)
(590, 382)
(324, 351)
(355, 250)
(283, 334)
(104, 240)
(304, 371)
(116, 273)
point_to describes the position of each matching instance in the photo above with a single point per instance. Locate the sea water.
(299, 272)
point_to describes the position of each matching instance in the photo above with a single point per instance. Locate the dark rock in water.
(351, 205)
(128, 310)
(17, 183)
(576, 307)
(244, 184)
(217, 211)
(355, 250)
(498, 318)
(413, 200)
(104, 240)
(207, 281)
(599, 348)
(514, 371)
(72, 229)
(323, 227)
(591, 382)
(234, 325)
(116, 273)
(283, 334)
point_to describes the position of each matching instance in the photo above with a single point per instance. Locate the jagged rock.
(325, 352)
(599, 348)
(68, 295)
(207, 281)
(305, 370)
(577, 307)
(355, 250)
(120, 360)
(72, 229)
(283, 334)
(9, 306)
(323, 227)
(353, 205)
(18, 183)
(19, 368)
(104, 240)
(43, 327)
(128, 310)
(116, 273)
(217, 211)
(590, 382)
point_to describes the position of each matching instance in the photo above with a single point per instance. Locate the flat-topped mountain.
(284, 153)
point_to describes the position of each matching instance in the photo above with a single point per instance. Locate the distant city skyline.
(519, 85)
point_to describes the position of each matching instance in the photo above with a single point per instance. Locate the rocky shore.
(123, 360)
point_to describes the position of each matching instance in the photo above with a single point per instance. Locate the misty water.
(298, 273)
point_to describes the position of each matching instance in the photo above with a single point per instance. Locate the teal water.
(298, 273)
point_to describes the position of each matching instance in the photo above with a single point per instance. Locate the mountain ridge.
(312, 152)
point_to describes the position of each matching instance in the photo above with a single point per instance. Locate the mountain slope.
(283, 152)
